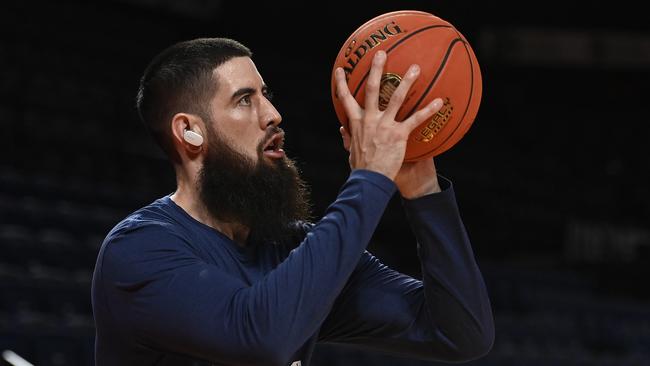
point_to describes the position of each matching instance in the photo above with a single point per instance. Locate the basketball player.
(227, 271)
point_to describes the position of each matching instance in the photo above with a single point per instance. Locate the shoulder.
(154, 220)
(146, 238)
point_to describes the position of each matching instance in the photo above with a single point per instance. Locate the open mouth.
(273, 148)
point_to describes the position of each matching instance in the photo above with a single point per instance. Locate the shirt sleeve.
(446, 316)
(168, 298)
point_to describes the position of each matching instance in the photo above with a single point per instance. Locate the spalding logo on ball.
(448, 69)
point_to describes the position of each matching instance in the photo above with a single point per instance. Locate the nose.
(269, 115)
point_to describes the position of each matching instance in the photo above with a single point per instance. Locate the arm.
(446, 316)
(172, 300)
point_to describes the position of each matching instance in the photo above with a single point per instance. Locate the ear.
(188, 132)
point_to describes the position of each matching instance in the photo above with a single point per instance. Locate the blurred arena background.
(552, 180)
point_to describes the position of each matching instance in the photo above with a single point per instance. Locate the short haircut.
(180, 79)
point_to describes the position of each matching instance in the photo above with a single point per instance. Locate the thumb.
(346, 138)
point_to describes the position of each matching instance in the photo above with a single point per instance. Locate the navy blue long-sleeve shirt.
(169, 290)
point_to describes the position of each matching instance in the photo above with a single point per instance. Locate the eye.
(268, 95)
(245, 100)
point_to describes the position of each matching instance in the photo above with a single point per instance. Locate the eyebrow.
(243, 91)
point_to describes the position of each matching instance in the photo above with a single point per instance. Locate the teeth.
(275, 144)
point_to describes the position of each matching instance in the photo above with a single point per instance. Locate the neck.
(187, 197)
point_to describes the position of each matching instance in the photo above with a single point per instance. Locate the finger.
(346, 138)
(422, 115)
(400, 93)
(352, 109)
(374, 81)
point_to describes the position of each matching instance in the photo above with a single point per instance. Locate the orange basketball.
(448, 69)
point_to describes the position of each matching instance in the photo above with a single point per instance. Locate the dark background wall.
(552, 179)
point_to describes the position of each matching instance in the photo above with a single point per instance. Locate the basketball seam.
(363, 79)
(469, 100)
(435, 78)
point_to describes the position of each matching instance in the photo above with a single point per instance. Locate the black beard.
(265, 196)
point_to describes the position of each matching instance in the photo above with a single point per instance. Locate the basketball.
(448, 69)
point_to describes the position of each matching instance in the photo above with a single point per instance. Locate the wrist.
(417, 179)
(426, 187)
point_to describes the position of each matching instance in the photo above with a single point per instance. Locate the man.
(226, 270)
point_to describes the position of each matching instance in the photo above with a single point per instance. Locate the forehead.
(235, 74)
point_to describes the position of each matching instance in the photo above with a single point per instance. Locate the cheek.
(239, 133)
(244, 134)
(248, 140)
(251, 136)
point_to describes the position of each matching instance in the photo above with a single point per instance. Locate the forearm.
(456, 297)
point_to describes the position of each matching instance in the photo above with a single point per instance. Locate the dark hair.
(179, 79)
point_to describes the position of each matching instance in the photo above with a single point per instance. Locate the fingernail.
(381, 54)
(414, 70)
(339, 71)
(437, 103)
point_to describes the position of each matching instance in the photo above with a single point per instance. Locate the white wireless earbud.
(193, 138)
